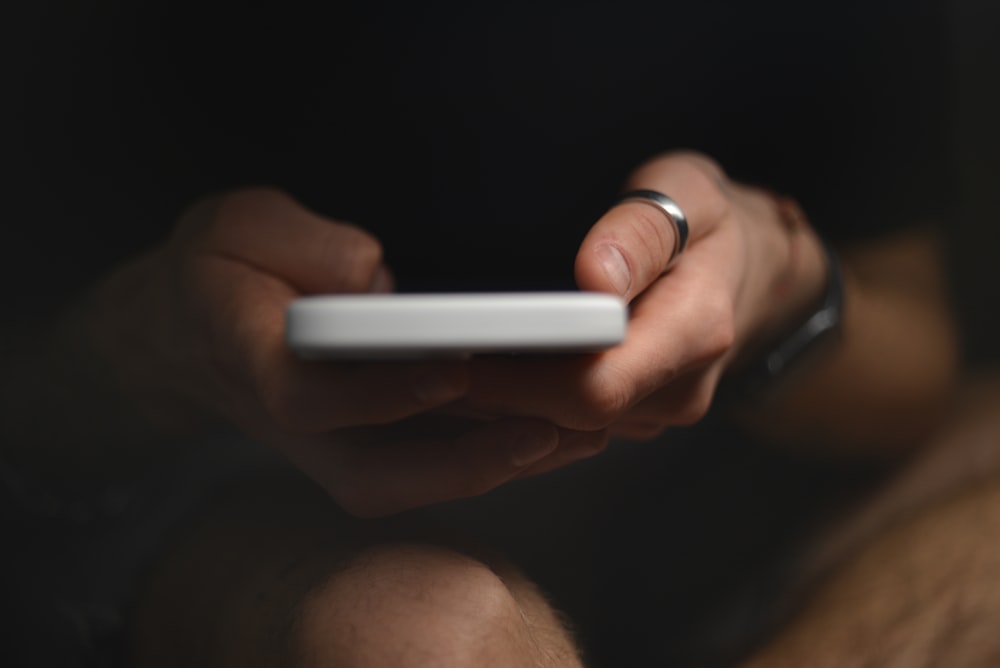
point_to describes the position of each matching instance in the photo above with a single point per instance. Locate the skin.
(190, 336)
(745, 277)
(322, 590)
(201, 342)
(902, 579)
(910, 577)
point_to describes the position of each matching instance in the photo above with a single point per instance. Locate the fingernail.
(615, 267)
(437, 388)
(531, 447)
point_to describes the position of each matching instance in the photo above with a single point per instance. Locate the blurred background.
(975, 36)
(76, 76)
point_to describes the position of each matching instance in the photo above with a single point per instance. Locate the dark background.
(471, 159)
(466, 139)
(975, 34)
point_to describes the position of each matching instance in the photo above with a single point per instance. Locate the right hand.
(213, 341)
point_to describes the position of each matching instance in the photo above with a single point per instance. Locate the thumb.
(633, 243)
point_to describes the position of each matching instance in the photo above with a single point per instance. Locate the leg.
(275, 576)
(927, 593)
(918, 580)
(419, 605)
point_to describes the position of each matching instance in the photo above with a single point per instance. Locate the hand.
(745, 274)
(213, 343)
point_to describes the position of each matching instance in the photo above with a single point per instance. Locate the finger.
(308, 397)
(371, 477)
(632, 244)
(313, 397)
(681, 403)
(574, 446)
(272, 232)
(677, 325)
(637, 430)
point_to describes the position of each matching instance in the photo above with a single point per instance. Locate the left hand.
(745, 273)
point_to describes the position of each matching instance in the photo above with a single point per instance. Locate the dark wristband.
(818, 330)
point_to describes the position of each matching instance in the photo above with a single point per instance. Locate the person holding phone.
(550, 163)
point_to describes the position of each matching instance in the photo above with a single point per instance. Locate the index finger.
(633, 243)
(268, 230)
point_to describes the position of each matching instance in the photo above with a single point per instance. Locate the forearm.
(887, 380)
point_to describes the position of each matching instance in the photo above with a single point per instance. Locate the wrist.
(805, 313)
(805, 287)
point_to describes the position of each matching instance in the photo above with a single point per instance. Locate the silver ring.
(667, 207)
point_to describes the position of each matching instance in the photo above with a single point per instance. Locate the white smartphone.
(400, 326)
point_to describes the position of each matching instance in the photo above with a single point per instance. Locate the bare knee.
(417, 605)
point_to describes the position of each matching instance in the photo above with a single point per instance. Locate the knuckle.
(708, 183)
(654, 431)
(595, 443)
(719, 334)
(248, 203)
(682, 161)
(478, 482)
(723, 336)
(225, 219)
(644, 431)
(695, 406)
(607, 400)
(359, 256)
(654, 234)
(699, 177)
(700, 162)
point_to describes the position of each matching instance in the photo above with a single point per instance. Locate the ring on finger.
(669, 208)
